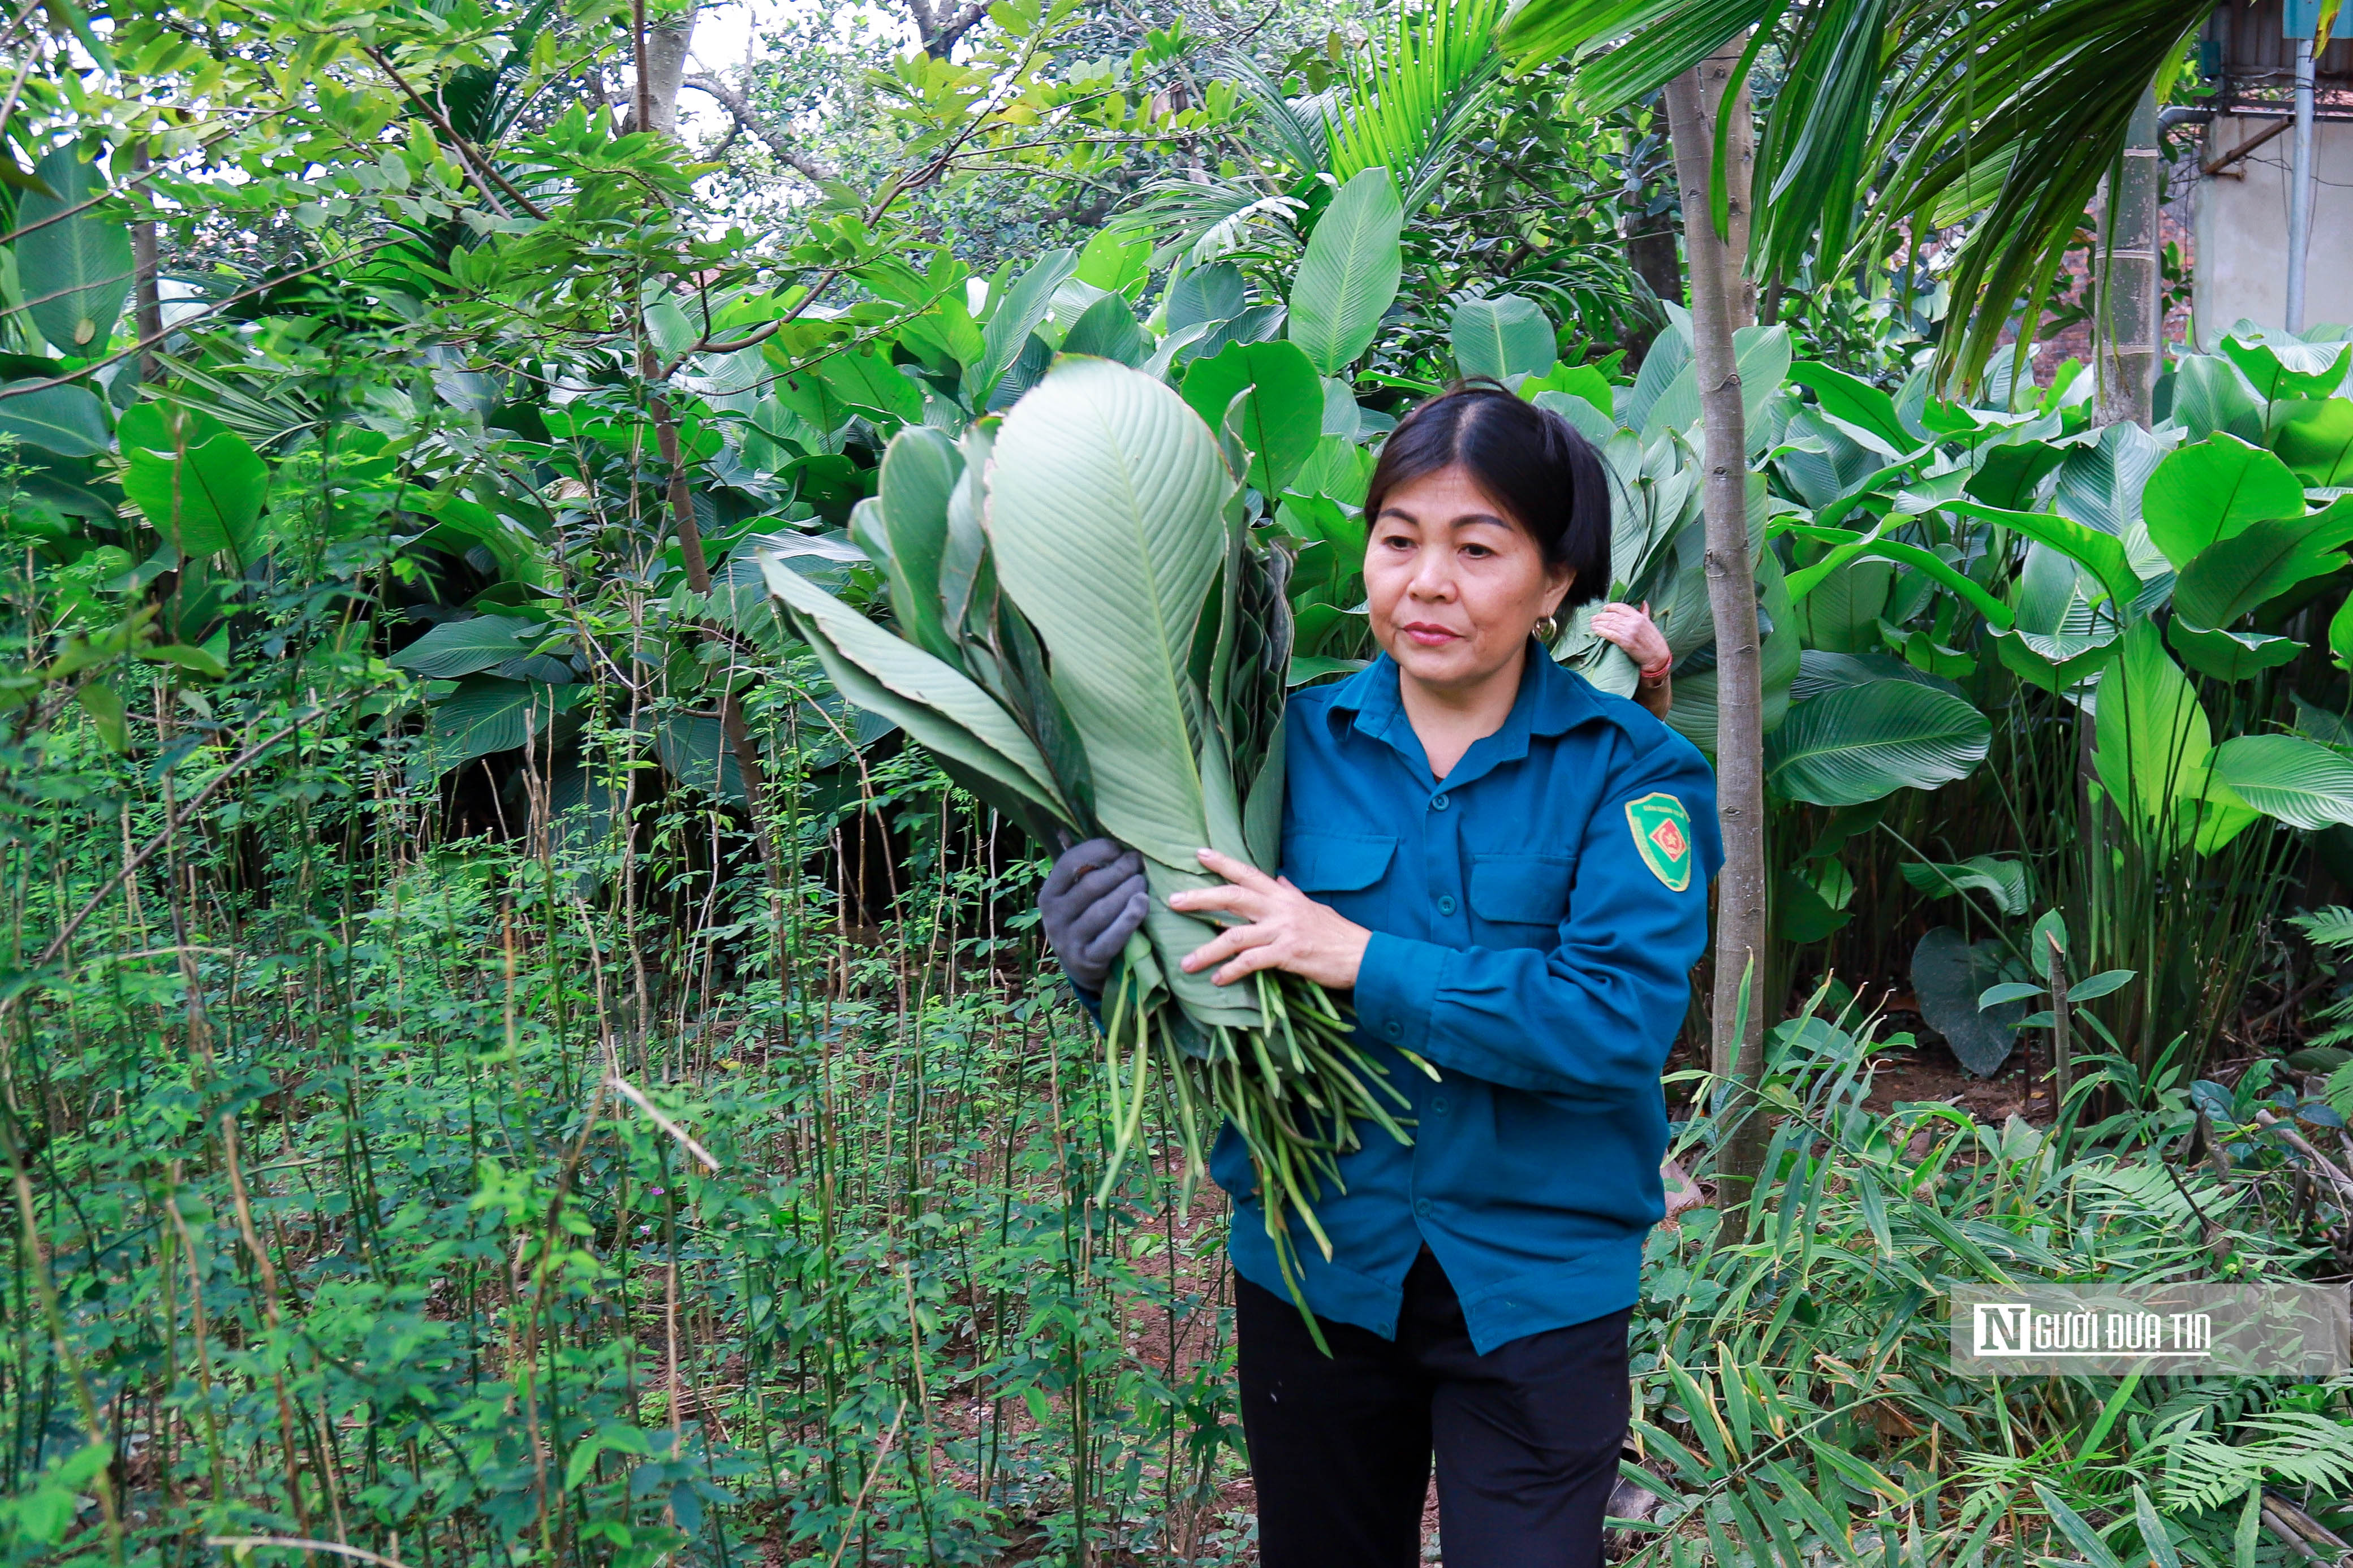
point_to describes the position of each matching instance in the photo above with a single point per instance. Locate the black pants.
(1527, 1436)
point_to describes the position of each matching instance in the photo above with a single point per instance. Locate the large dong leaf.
(1501, 336)
(66, 420)
(2210, 491)
(1106, 496)
(1948, 974)
(2153, 738)
(1670, 357)
(200, 486)
(2100, 553)
(75, 271)
(694, 750)
(1855, 402)
(487, 714)
(2235, 575)
(2300, 781)
(2228, 655)
(1103, 519)
(864, 379)
(2282, 370)
(464, 647)
(939, 708)
(2317, 443)
(1018, 315)
(2101, 485)
(1349, 277)
(1107, 330)
(919, 470)
(1762, 356)
(2005, 882)
(1118, 262)
(1860, 742)
(1282, 413)
(1204, 296)
(2210, 395)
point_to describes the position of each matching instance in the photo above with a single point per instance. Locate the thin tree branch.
(155, 845)
(21, 388)
(475, 158)
(8, 108)
(752, 121)
(749, 119)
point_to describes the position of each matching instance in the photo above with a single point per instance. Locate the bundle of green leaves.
(1090, 636)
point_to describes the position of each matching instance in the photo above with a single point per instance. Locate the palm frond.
(1410, 101)
(1297, 132)
(2007, 114)
(2331, 927)
(1204, 220)
(2042, 90)
(1635, 47)
(267, 408)
(1817, 140)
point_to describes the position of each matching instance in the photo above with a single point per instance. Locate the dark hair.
(1547, 475)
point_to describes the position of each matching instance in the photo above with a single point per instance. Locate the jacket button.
(1438, 1106)
(1395, 1030)
(1438, 803)
(1421, 1207)
(1445, 903)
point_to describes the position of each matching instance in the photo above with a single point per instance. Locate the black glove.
(1093, 899)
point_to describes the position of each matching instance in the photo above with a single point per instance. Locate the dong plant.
(1092, 639)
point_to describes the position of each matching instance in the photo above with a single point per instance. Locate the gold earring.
(1546, 628)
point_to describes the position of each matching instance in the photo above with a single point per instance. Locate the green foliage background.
(503, 1063)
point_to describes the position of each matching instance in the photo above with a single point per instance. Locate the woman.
(1509, 870)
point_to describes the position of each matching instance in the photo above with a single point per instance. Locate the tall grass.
(577, 1190)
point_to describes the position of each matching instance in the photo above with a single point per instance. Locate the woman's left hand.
(1285, 929)
(1631, 630)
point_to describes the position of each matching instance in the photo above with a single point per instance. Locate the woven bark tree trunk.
(2130, 315)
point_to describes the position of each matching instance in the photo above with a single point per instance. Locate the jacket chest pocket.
(1523, 897)
(1343, 870)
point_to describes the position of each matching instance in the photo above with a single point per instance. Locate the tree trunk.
(661, 50)
(1722, 300)
(940, 27)
(731, 726)
(651, 88)
(147, 299)
(1651, 255)
(1739, 162)
(2130, 319)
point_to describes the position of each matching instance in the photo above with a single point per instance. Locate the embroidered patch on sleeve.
(1662, 830)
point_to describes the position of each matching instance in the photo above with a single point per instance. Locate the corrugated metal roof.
(2250, 52)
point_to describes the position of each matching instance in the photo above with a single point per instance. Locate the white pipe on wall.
(2299, 197)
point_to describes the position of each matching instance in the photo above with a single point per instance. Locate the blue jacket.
(1535, 922)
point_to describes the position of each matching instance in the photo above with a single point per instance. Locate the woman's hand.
(1286, 929)
(1632, 630)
